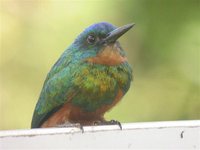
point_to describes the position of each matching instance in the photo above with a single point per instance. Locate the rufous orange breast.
(110, 56)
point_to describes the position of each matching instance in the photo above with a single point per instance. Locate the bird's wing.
(56, 90)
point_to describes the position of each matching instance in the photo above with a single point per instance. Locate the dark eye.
(91, 39)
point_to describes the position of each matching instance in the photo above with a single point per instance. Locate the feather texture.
(87, 85)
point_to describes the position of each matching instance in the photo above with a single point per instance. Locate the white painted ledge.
(154, 135)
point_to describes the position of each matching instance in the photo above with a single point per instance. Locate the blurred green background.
(163, 49)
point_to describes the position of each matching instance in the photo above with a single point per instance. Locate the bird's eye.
(91, 39)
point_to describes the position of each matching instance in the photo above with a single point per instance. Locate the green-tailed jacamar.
(88, 79)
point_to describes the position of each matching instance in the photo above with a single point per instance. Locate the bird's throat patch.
(110, 55)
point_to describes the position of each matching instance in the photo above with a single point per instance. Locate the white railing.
(154, 135)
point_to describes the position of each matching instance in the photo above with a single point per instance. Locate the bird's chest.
(98, 85)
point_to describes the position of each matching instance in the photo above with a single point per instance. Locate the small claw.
(111, 122)
(68, 125)
(81, 127)
(115, 122)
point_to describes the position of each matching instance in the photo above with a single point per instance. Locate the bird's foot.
(68, 125)
(111, 122)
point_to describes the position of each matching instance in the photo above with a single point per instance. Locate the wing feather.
(56, 90)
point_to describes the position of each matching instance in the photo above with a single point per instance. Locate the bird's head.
(98, 44)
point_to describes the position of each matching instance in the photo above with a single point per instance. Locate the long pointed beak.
(115, 34)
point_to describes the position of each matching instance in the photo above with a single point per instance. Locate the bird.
(90, 77)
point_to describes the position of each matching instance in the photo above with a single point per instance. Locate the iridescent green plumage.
(84, 84)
